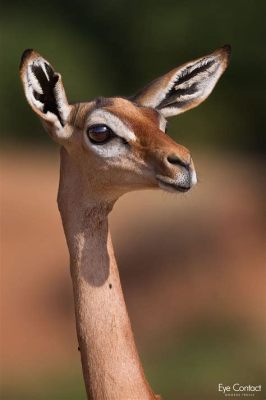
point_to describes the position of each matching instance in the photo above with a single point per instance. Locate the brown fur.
(152, 144)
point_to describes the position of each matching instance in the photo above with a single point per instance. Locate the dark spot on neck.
(110, 286)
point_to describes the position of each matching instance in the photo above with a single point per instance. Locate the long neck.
(111, 366)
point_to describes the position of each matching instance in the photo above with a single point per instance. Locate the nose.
(186, 168)
(175, 159)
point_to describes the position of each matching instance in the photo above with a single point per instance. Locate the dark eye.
(99, 134)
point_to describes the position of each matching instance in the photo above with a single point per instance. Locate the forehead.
(133, 114)
(129, 113)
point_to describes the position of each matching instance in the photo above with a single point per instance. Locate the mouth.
(170, 185)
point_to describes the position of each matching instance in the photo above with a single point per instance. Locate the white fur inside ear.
(202, 79)
(34, 90)
(62, 102)
(31, 85)
(33, 82)
(192, 84)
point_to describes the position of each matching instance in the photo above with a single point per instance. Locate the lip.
(170, 185)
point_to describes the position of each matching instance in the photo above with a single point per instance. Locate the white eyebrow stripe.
(101, 116)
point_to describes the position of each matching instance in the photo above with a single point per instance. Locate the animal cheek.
(150, 156)
(137, 151)
(155, 160)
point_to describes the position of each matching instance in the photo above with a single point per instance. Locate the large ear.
(45, 93)
(187, 86)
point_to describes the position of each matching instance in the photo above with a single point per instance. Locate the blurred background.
(192, 266)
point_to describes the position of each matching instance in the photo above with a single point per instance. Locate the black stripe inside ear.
(48, 97)
(187, 75)
(190, 90)
(172, 97)
(175, 104)
(174, 94)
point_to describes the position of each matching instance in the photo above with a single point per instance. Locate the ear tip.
(26, 53)
(224, 55)
(227, 50)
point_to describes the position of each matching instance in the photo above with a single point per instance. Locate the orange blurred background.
(192, 268)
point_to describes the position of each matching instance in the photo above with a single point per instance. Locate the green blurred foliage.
(212, 352)
(114, 47)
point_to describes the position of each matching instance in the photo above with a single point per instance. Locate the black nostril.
(175, 160)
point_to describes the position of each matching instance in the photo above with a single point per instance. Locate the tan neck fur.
(111, 366)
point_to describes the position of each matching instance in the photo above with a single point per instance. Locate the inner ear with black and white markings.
(45, 93)
(187, 86)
